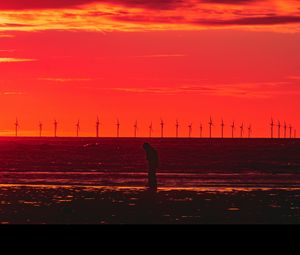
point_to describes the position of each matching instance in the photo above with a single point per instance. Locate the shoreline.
(144, 188)
(146, 138)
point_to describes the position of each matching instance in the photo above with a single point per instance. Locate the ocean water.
(270, 163)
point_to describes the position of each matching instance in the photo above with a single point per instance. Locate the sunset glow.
(144, 61)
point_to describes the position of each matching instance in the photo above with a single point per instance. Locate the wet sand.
(48, 204)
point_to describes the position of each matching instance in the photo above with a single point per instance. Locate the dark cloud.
(153, 4)
(229, 1)
(58, 4)
(148, 19)
(267, 20)
(14, 25)
(41, 4)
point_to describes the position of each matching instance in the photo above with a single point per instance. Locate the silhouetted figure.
(97, 127)
(152, 158)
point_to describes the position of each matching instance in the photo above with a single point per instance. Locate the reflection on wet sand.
(129, 189)
(65, 204)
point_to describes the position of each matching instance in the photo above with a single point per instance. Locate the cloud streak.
(16, 60)
(13, 93)
(7, 50)
(64, 80)
(161, 56)
(244, 90)
(6, 36)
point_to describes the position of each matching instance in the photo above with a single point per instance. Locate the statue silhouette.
(152, 159)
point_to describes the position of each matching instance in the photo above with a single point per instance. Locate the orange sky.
(147, 60)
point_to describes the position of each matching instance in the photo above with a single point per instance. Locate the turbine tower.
(272, 128)
(290, 128)
(177, 128)
(242, 129)
(77, 128)
(190, 130)
(210, 125)
(40, 128)
(285, 127)
(97, 127)
(249, 131)
(16, 127)
(232, 129)
(162, 128)
(278, 126)
(135, 128)
(201, 129)
(222, 128)
(55, 128)
(118, 128)
(150, 130)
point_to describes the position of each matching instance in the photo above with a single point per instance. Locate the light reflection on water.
(130, 189)
(165, 180)
(233, 209)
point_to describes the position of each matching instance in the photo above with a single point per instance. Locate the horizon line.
(147, 137)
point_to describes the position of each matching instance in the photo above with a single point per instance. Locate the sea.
(183, 162)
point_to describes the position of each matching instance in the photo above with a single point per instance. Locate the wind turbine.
(201, 129)
(17, 126)
(77, 128)
(162, 128)
(150, 129)
(118, 128)
(222, 128)
(135, 128)
(291, 128)
(40, 128)
(55, 128)
(285, 127)
(232, 129)
(249, 131)
(210, 125)
(272, 128)
(177, 128)
(97, 127)
(190, 130)
(278, 125)
(242, 129)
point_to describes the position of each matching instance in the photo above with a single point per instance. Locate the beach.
(103, 181)
(47, 204)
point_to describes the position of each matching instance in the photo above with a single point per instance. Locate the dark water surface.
(267, 163)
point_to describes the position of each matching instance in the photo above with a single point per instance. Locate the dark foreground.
(98, 205)
(101, 181)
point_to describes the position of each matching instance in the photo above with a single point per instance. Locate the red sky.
(147, 60)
